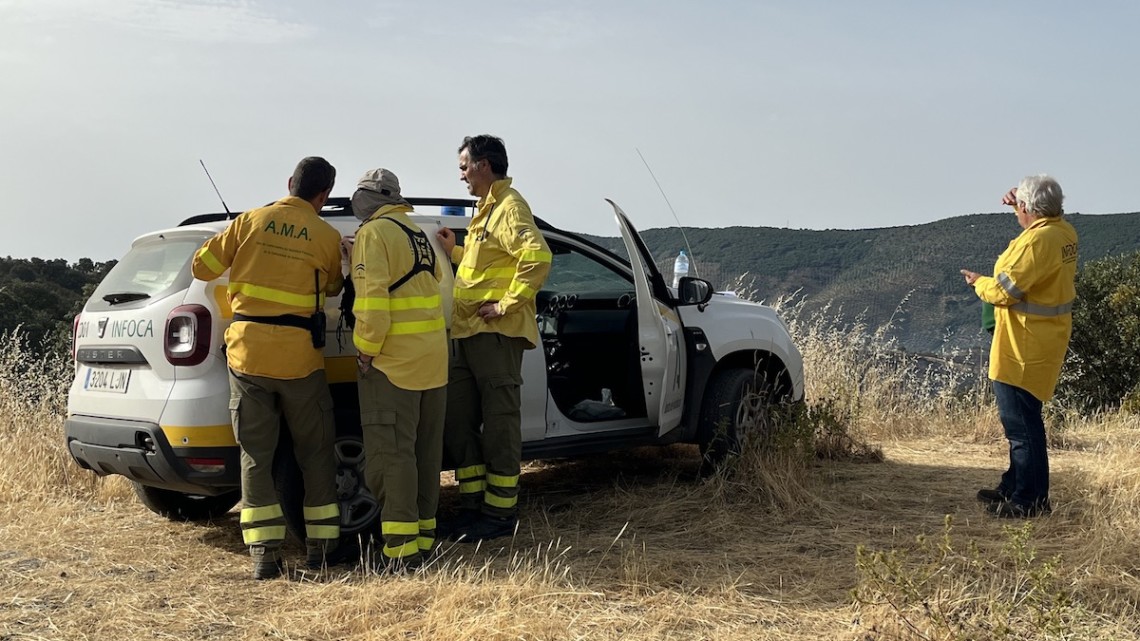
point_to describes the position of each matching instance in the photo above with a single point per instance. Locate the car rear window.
(156, 267)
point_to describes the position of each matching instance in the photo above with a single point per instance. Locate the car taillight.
(74, 336)
(187, 336)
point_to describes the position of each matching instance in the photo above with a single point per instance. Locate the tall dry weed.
(950, 588)
(768, 542)
(885, 392)
(33, 406)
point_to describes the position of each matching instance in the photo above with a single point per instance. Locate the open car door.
(658, 333)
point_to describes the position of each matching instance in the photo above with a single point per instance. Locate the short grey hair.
(1041, 195)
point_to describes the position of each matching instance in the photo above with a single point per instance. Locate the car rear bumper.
(140, 451)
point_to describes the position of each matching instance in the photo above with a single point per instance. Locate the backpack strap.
(423, 256)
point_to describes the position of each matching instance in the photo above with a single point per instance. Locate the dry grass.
(629, 545)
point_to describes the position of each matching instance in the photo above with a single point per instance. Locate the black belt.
(287, 320)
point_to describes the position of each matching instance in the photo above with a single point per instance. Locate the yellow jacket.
(271, 253)
(504, 258)
(403, 329)
(1032, 292)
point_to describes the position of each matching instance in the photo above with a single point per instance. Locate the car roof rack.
(339, 206)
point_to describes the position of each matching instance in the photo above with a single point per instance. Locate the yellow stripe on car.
(200, 435)
(222, 299)
(340, 369)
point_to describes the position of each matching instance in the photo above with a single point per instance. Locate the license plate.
(107, 380)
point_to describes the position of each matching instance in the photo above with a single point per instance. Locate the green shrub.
(1102, 368)
(949, 589)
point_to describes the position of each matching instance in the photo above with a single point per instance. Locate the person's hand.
(447, 239)
(970, 276)
(346, 246)
(1010, 198)
(490, 310)
(363, 363)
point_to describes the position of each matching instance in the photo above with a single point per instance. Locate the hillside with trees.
(909, 273)
(907, 276)
(42, 296)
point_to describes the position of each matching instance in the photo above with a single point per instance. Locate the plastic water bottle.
(680, 268)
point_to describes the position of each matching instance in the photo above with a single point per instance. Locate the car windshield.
(149, 270)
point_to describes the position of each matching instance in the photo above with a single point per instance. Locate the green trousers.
(403, 452)
(483, 390)
(257, 405)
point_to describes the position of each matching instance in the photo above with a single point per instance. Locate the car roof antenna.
(228, 212)
(696, 270)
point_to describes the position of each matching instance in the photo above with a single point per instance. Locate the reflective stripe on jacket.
(272, 253)
(504, 258)
(1032, 292)
(403, 330)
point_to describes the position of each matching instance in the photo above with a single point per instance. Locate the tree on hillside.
(40, 297)
(1102, 367)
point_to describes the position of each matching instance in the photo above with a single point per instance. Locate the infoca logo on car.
(123, 328)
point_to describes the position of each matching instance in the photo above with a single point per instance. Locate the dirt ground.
(622, 546)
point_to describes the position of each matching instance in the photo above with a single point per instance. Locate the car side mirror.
(694, 291)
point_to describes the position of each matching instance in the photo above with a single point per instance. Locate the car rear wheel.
(734, 413)
(178, 506)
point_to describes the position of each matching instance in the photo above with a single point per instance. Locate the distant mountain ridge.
(872, 271)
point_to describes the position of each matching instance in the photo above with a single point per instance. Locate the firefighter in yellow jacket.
(501, 267)
(283, 260)
(1032, 291)
(401, 339)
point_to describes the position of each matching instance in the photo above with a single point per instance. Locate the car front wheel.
(734, 412)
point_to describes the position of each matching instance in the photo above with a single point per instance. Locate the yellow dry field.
(873, 534)
(622, 546)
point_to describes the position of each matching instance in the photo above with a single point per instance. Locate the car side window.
(575, 272)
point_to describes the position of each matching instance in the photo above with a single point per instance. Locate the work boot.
(321, 553)
(1011, 510)
(488, 527)
(991, 496)
(266, 563)
(451, 527)
(403, 565)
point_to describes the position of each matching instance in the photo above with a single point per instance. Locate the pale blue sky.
(803, 114)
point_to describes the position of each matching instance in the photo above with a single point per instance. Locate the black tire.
(359, 510)
(734, 412)
(178, 506)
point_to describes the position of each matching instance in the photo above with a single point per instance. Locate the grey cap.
(375, 189)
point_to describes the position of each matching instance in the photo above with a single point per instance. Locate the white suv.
(625, 361)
